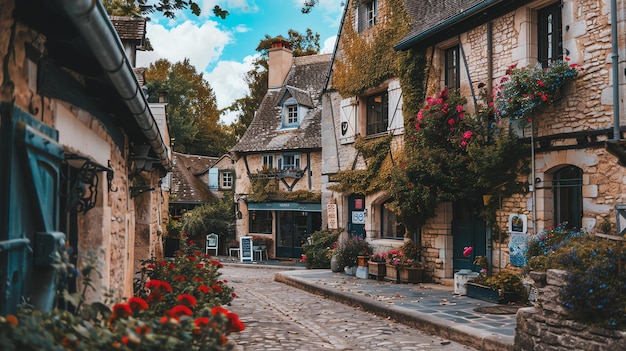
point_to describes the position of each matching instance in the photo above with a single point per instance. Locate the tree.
(192, 108)
(302, 45)
(167, 7)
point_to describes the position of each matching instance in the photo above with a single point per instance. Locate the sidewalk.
(432, 308)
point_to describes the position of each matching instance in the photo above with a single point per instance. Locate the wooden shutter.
(396, 120)
(347, 126)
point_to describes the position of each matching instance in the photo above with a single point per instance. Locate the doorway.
(468, 229)
(293, 230)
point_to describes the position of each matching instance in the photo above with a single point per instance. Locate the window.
(568, 200)
(260, 222)
(268, 162)
(226, 179)
(289, 161)
(377, 114)
(452, 68)
(367, 13)
(292, 114)
(390, 226)
(550, 32)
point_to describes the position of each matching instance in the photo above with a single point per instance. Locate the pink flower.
(467, 251)
(459, 108)
(468, 134)
(463, 143)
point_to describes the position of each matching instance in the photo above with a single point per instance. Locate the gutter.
(95, 27)
(450, 22)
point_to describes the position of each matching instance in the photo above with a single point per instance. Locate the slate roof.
(435, 21)
(187, 186)
(129, 28)
(305, 82)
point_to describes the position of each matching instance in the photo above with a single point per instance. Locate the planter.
(411, 274)
(391, 273)
(362, 261)
(460, 280)
(482, 292)
(350, 270)
(377, 270)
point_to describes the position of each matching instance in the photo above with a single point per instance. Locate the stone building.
(82, 154)
(278, 160)
(574, 178)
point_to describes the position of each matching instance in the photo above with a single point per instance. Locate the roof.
(435, 21)
(304, 82)
(187, 186)
(129, 28)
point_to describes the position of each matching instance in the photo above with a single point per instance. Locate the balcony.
(277, 174)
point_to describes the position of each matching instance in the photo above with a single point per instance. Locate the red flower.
(197, 253)
(218, 309)
(233, 295)
(180, 278)
(178, 311)
(235, 324)
(137, 304)
(217, 288)
(199, 265)
(187, 300)
(202, 322)
(203, 288)
(467, 251)
(150, 266)
(216, 263)
(121, 310)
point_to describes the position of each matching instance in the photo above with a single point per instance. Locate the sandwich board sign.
(245, 245)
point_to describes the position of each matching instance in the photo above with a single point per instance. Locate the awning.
(284, 206)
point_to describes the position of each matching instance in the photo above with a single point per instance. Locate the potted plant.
(349, 250)
(411, 270)
(376, 265)
(391, 266)
(502, 287)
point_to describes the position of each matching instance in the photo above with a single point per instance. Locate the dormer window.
(295, 104)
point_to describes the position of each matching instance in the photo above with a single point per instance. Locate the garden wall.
(546, 327)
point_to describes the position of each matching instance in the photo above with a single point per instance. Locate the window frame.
(547, 51)
(367, 15)
(267, 161)
(452, 70)
(260, 222)
(295, 165)
(222, 176)
(376, 119)
(385, 220)
(568, 198)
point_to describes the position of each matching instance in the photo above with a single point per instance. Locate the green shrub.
(318, 252)
(348, 251)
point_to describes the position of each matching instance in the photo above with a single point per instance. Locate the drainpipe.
(94, 25)
(615, 70)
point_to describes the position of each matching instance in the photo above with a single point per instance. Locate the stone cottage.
(278, 160)
(82, 154)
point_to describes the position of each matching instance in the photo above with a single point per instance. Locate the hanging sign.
(245, 245)
(331, 209)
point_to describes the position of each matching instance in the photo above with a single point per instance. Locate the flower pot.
(377, 270)
(350, 270)
(411, 274)
(334, 264)
(362, 261)
(391, 273)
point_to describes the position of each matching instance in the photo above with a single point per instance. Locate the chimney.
(279, 63)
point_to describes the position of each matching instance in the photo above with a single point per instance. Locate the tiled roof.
(186, 185)
(129, 28)
(305, 81)
(440, 20)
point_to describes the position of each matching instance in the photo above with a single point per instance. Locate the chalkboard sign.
(245, 244)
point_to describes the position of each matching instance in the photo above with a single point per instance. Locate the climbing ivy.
(375, 177)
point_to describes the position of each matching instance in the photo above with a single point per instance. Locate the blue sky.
(223, 49)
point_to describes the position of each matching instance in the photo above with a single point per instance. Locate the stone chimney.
(279, 63)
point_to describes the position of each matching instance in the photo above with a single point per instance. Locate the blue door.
(29, 205)
(468, 229)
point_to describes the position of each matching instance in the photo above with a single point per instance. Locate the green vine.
(375, 177)
(368, 59)
(266, 189)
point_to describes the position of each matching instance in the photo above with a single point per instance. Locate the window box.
(411, 274)
(377, 270)
(392, 273)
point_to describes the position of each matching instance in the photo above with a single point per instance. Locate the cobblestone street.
(280, 317)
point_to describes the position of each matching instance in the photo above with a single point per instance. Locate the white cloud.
(228, 83)
(200, 44)
(329, 45)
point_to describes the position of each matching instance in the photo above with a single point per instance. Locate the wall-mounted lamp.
(365, 212)
(537, 180)
(141, 160)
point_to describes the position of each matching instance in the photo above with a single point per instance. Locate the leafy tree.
(167, 7)
(192, 108)
(302, 45)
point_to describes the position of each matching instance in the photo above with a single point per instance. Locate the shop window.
(260, 222)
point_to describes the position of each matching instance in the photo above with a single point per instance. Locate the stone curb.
(440, 327)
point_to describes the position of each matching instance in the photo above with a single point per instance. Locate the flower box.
(377, 270)
(482, 292)
(392, 273)
(411, 274)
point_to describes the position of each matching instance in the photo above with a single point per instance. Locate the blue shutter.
(214, 179)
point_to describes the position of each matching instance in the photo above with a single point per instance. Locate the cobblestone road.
(279, 317)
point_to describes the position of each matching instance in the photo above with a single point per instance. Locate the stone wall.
(546, 327)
